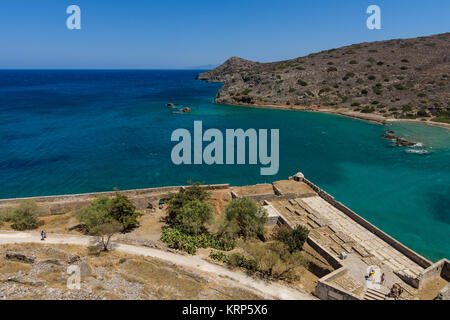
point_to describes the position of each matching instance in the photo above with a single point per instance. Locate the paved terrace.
(337, 233)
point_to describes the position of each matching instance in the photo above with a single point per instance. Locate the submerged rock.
(186, 109)
(398, 141)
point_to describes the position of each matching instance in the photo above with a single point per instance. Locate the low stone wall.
(141, 198)
(440, 269)
(336, 264)
(328, 291)
(421, 261)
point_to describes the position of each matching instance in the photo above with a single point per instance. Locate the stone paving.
(338, 233)
(369, 246)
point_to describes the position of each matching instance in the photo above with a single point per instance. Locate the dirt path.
(268, 289)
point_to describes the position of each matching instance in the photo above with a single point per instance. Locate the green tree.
(189, 210)
(25, 215)
(124, 211)
(119, 209)
(194, 215)
(293, 239)
(243, 218)
(274, 260)
(99, 221)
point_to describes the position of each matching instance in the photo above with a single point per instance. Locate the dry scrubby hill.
(402, 78)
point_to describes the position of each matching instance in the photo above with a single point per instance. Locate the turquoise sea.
(65, 132)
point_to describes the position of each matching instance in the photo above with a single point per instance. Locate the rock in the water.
(186, 109)
(19, 257)
(171, 105)
(398, 141)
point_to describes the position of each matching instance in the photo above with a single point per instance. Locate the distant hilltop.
(400, 78)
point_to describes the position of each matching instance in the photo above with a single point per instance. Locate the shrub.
(367, 109)
(243, 218)
(177, 239)
(302, 83)
(353, 62)
(218, 256)
(124, 211)
(326, 89)
(422, 113)
(189, 210)
(293, 239)
(406, 108)
(331, 69)
(104, 210)
(371, 77)
(25, 215)
(274, 260)
(6, 214)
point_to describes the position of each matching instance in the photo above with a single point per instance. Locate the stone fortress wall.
(55, 205)
(325, 289)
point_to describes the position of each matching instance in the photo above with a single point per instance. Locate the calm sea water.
(67, 132)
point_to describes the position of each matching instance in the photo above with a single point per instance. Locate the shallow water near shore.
(64, 132)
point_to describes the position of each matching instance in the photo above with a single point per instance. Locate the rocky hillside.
(401, 78)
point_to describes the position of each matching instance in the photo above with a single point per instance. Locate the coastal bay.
(65, 132)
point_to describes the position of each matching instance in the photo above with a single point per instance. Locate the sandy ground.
(268, 289)
(371, 117)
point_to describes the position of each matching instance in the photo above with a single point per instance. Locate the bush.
(273, 259)
(293, 239)
(25, 215)
(302, 83)
(177, 239)
(124, 211)
(367, 109)
(188, 210)
(422, 113)
(331, 69)
(6, 214)
(243, 218)
(218, 256)
(106, 210)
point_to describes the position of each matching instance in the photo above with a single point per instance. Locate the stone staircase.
(372, 294)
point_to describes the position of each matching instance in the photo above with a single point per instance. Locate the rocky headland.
(384, 80)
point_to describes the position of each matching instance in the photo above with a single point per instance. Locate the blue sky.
(145, 34)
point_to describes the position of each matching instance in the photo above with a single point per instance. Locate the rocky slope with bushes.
(400, 78)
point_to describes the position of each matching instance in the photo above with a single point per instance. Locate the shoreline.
(367, 117)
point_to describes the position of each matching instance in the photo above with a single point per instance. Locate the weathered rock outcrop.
(20, 257)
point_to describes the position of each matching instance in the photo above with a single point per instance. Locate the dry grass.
(291, 186)
(158, 279)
